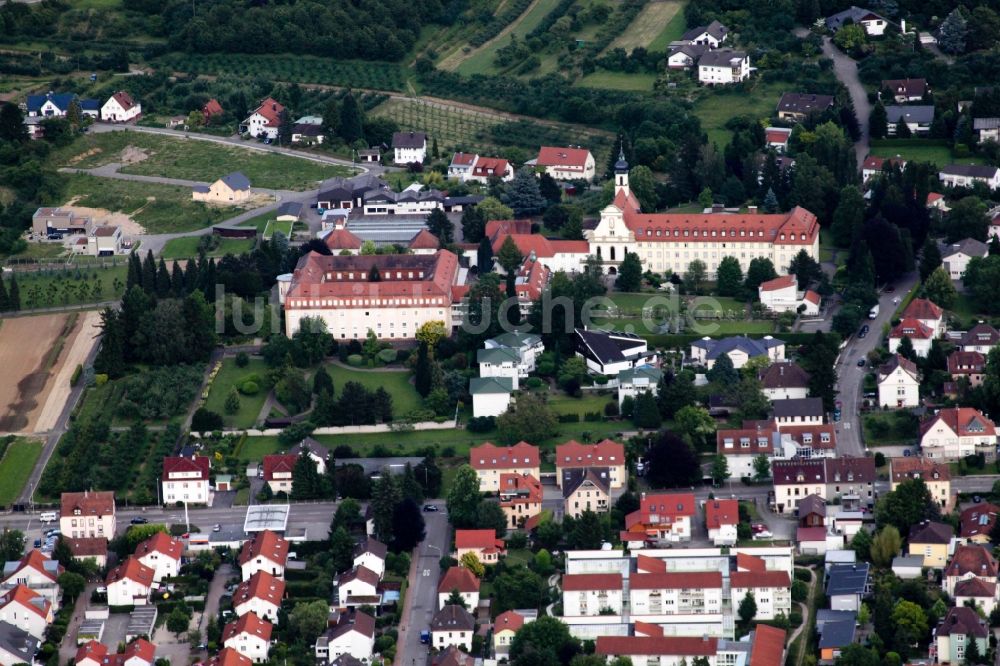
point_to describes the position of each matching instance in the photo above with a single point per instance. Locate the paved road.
(421, 595)
(850, 377)
(846, 71)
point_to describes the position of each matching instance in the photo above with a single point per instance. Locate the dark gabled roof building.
(799, 105)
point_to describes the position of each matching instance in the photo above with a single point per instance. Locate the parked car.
(760, 531)
(430, 508)
(139, 520)
(861, 362)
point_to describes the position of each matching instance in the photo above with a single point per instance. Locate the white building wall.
(354, 644)
(590, 602)
(261, 563)
(509, 370)
(254, 648)
(461, 639)
(162, 565)
(263, 609)
(899, 389)
(390, 322)
(127, 592)
(192, 492)
(490, 404)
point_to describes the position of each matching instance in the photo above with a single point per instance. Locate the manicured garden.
(231, 376)
(935, 151)
(191, 246)
(16, 465)
(405, 398)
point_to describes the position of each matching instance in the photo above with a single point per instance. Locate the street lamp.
(430, 545)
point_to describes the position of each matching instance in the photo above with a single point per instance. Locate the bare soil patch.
(133, 154)
(103, 216)
(82, 156)
(75, 351)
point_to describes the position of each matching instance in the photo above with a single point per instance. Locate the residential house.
(976, 523)
(265, 551)
(250, 636)
(315, 451)
(721, 519)
(685, 56)
(591, 594)
(26, 610)
(424, 243)
(586, 489)
(976, 592)
(935, 475)
(260, 594)
(956, 258)
(37, 572)
(662, 650)
(289, 211)
(499, 362)
(965, 175)
(807, 441)
(566, 163)
(875, 165)
(370, 553)
(452, 656)
(898, 383)
(520, 498)
(936, 201)
(461, 580)
(232, 188)
(850, 481)
(932, 541)
(796, 479)
(784, 380)
(918, 119)
(129, 583)
(139, 652)
(742, 446)
(969, 561)
(340, 240)
(279, 470)
(491, 396)
(771, 591)
(492, 462)
(352, 636)
(980, 338)
(847, 585)
(837, 630)
(956, 432)
(211, 109)
(711, 35)
(798, 106)
(17, 646)
(739, 349)
(798, 411)
(873, 24)
(987, 129)
(121, 108)
(461, 165)
(88, 514)
(905, 90)
(655, 591)
(186, 479)
(812, 511)
(506, 626)
(452, 625)
(608, 353)
(606, 453)
(782, 295)
(57, 105)
(919, 334)
(777, 138)
(88, 548)
(467, 167)
(662, 517)
(636, 381)
(409, 148)
(309, 130)
(723, 67)
(265, 120)
(162, 554)
(955, 630)
(104, 241)
(228, 657)
(484, 544)
(968, 364)
(527, 345)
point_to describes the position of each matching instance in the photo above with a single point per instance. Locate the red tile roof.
(342, 239)
(519, 489)
(28, 598)
(913, 467)
(85, 547)
(261, 585)
(934, 196)
(91, 650)
(479, 539)
(458, 578)
(271, 110)
(757, 579)
(978, 519)
(816, 432)
(360, 572)
(424, 240)
(923, 309)
(495, 228)
(266, 544)
(88, 503)
(592, 581)
(768, 646)
(575, 158)
(211, 108)
(688, 646)
(721, 512)
(960, 420)
(140, 648)
(776, 135)
(812, 297)
(487, 167)
(758, 437)
(752, 563)
(962, 620)
(675, 580)
(248, 623)
(604, 453)
(160, 543)
(787, 472)
(975, 587)
(661, 508)
(645, 563)
(647, 629)
(463, 159)
(197, 464)
(911, 328)
(532, 278)
(229, 657)
(804, 534)
(35, 559)
(124, 100)
(541, 246)
(279, 463)
(131, 569)
(782, 282)
(508, 621)
(966, 362)
(972, 559)
(490, 456)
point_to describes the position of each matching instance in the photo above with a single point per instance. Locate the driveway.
(846, 71)
(215, 591)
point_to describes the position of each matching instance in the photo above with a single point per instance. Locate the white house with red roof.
(461, 580)
(606, 453)
(491, 461)
(38, 572)
(88, 514)
(956, 432)
(721, 518)
(662, 517)
(129, 583)
(228, 657)
(521, 498)
(771, 591)
(186, 479)
(588, 594)
(484, 544)
(162, 554)
(919, 334)
(267, 552)
(341, 241)
(659, 649)
(777, 138)
(264, 120)
(26, 610)
(139, 652)
(566, 163)
(874, 165)
(357, 587)
(424, 243)
(250, 636)
(568, 256)
(278, 469)
(782, 295)
(261, 594)
(352, 637)
(468, 167)
(121, 108)
(927, 313)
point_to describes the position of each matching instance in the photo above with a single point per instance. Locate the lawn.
(590, 402)
(405, 398)
(272, 226)
(936, 152)
(187, 248)
(74, 286)
(964, 307)
(719, 105)
(618, 81)
(671, 32)
(160, 209)
(40, 251)
(654, 22)
(889, 428)
(231, 375)
(192, 159)
(16, 466)
(481, 61)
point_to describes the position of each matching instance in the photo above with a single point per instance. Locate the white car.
(760, 531)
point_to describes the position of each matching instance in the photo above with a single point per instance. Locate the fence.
(341, 430)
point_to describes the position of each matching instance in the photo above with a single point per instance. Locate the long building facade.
(669, 242)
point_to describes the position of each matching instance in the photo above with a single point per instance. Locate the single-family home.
(969, 561)
(956, 432)
(771, 591)
(739, 349)
(898, 383)
(986, 129)
(932, 541)
(591, 594)
(721, 518)
(798, 411)
(452, 625)
(26, 610)
(57, 105)
(968, 364)
(873, 23)
(487, 168)
(956, 258)
(919, 334)
(836, 629)
(723, 67)
(460, 167)
(499, 362)
(210, 109)
(779, 294)
(185, 479)
(230, 189)
(742, 446)
(976, 523)
(965, 175)
(121, 108)
(566, 163)
(491, 462)
(353, 636)
(711, 35)
(261, 594)
(460, 580)
(777, 138)
(88, 514)
(265, 551)
(905, 90)
(370, 553)
(586, 489)
(606, 453)
(162, 554)
(484, 544)
(784, 380)
(409, 147)
(850, 481)
(129, 583)
(954, 632)
(662, 517)
(88, 548)
(875, 165)
(279, 469)
(936, 201)
(309, 130)
(976, 592)
(520, 498)
(250, 636)
(16, 645)
(315, 451)
(228, 657)
(527, 345)
(491, 396)
(797, 106)
(506, 626)
(935, 475)
(139, 652)
(265, 120)
(685, 56)
(918, 119)
(980, 338)
(38, 572)
(847, 585)
(608, 353)
(636, 381)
